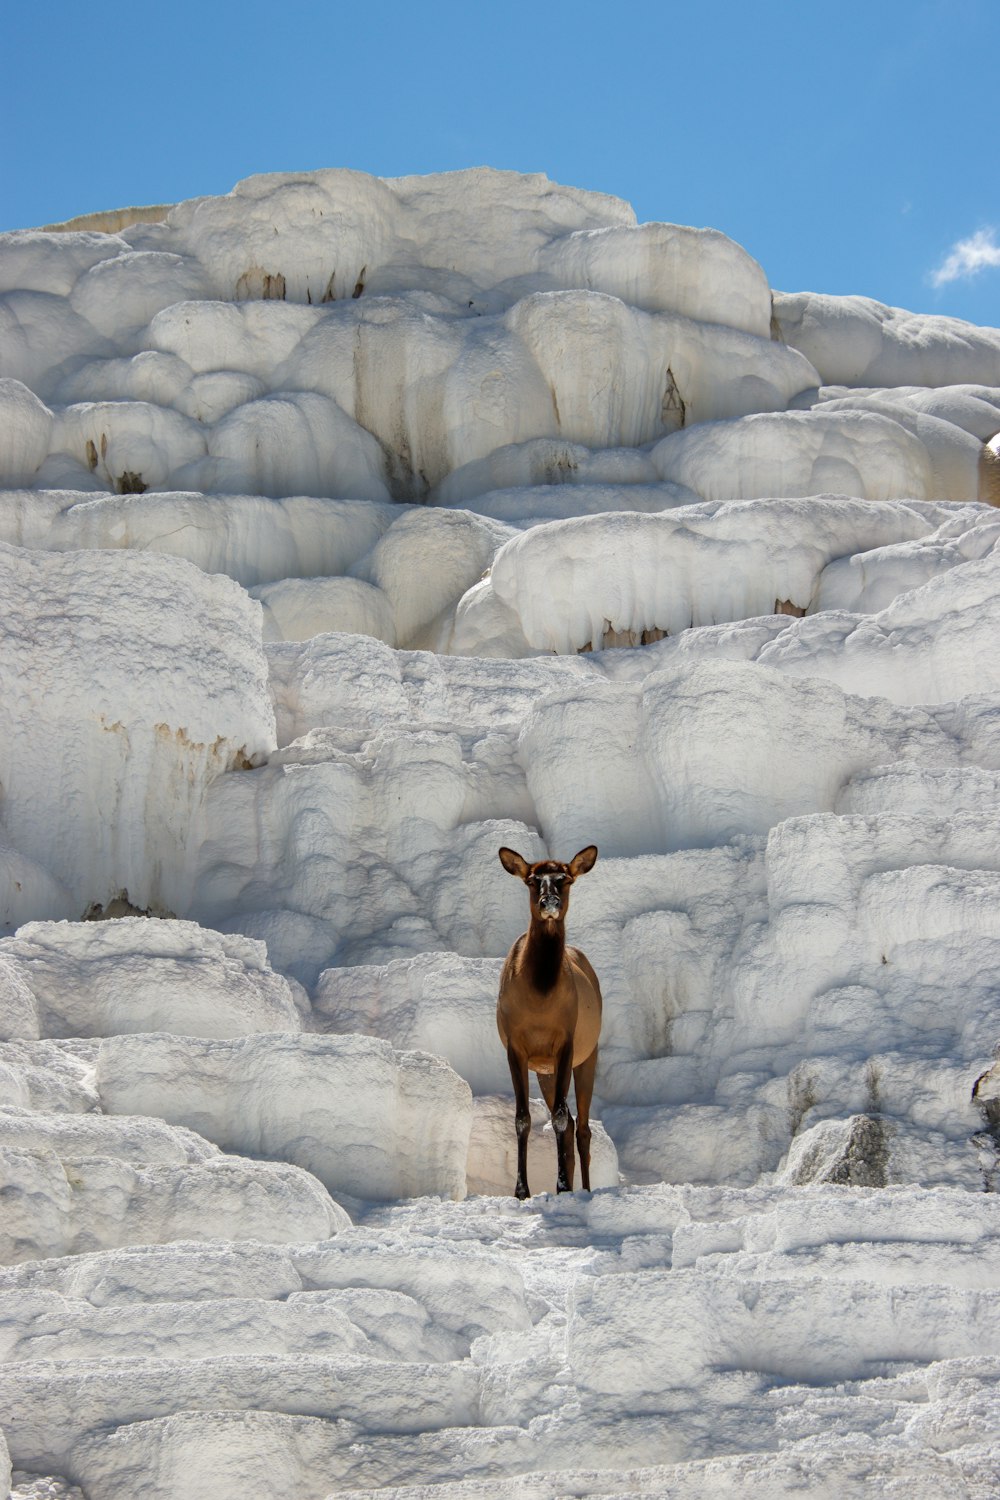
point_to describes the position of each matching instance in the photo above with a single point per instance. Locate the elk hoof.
(560, 1118)
(521, 1191)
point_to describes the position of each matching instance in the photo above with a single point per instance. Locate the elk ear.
(584, 861)
(513, 863)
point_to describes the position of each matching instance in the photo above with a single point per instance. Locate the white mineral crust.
(131, 974)
(350, 529)
(364, 1119)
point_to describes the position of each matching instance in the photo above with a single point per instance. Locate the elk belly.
(542, 1048)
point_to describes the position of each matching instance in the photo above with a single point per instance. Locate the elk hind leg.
(583, 1078)
(564, 1142)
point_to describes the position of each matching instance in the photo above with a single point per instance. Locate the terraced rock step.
(355, 528)
(498, 1338)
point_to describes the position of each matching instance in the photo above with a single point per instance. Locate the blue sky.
(851, 147)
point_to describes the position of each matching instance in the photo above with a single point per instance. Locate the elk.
(549, 1014)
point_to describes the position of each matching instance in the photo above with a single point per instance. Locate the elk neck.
(543, 952)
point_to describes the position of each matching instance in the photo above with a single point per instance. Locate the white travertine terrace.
(351, 528)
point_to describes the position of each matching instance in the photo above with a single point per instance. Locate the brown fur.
(549, 1017)
(989, 472)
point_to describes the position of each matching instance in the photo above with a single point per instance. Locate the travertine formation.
(349, 530)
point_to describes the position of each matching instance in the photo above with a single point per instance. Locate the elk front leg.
(548, 1086)
(522, 1117)
(562, 1120)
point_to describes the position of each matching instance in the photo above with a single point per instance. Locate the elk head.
(549, 880)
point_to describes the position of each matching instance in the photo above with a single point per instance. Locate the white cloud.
(968, 257)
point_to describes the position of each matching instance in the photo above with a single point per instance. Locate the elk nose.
(549, 900)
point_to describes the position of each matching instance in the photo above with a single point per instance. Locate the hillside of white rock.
(351, 528)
